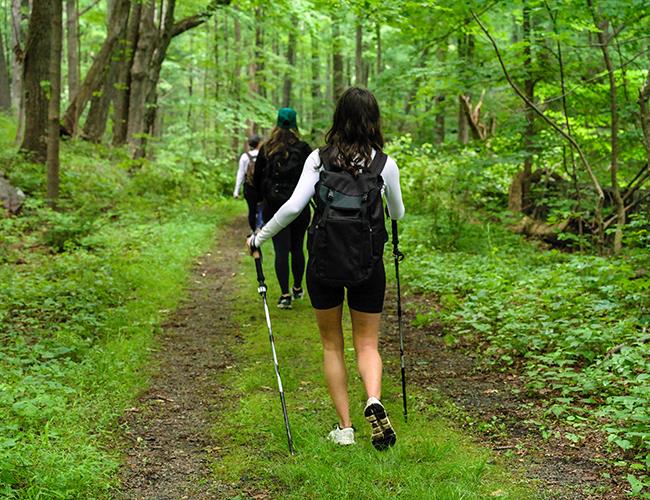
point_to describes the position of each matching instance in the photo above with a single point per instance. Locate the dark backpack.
(347, 235)
(283, 172)
(250, 169)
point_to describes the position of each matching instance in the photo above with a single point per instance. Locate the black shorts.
(365, 297)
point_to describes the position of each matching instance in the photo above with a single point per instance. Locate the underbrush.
(84, 290)
(576, 325)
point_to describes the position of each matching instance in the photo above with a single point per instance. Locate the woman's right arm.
(393, 190)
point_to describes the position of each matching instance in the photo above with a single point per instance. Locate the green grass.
(84, 292)
(430, 460)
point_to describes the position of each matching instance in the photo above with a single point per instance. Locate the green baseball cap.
(287, 118)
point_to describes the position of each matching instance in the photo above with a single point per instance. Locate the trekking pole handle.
(258, 265)
(399, 255)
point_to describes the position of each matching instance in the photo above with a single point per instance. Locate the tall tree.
(604, 40)
(95, 125)
(358, 54)
(338, 78)
(151, 51)
(5, 87)
(291, 62)
(123, 84)
(96, 74)
(54, 107)
(72, 43)
(36, 71)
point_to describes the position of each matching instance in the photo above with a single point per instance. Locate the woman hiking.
(277, 170)
(245, 177)
(347, 178)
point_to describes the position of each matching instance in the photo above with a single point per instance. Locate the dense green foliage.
(575, 325)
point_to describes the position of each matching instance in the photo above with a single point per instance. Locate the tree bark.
(337, 59)
(123, 85)
(358, 54)
(465, 44)
(54, 111)
(139, 75)
(378, 62)
(17, 57)
(98, 70)
(5, 86)
(291, 61)
(519, 197)
(72, 31)
(644, 111)
(100, 102)
(604, 38)
(316, 92)
(37, 71)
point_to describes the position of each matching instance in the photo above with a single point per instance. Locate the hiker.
(245, 176)
(347, 178)
(277, 170)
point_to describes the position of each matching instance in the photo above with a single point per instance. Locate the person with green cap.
(277, 170)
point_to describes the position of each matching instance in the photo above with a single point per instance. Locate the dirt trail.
(168, 434)
(496, 403)
(169, 445)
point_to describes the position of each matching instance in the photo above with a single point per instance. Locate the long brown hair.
(356, 130)
(280, 141)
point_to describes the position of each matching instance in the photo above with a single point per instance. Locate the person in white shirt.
(244, 177)
(353, 142)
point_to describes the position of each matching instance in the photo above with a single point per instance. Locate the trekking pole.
(262, 291)
(398, 257)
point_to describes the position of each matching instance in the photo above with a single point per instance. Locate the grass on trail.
(430, 460)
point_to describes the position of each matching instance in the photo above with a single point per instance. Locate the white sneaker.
(342, 436)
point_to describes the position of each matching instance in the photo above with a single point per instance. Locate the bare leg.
(365, 334)
(331, 335)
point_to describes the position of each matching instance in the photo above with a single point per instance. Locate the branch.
(540, 113)
(87, 9)
(191, 22)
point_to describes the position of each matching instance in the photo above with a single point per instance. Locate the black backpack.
(347, 235)
(283, 172)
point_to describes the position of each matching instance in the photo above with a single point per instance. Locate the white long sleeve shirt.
(306, 188)
(241, 171)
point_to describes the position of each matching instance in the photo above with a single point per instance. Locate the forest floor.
(175, 448)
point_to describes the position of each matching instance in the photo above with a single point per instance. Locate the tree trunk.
(98, 70)
(380, 64)
(37, 71)
(139, 75)
(337, 59)
(291, 61)
(529, 90)
(5, 86)
(100, 102)
(123, 85)
(604, 38)
(17, 9)
(644, 111)
(358, 55)
(439, 129)
(519, 198)
(464, 53)
(54, 111)
(72, 31)
(316, 93)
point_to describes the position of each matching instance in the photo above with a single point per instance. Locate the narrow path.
(168, 433)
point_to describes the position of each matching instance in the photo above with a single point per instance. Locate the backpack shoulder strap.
(378, 163)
